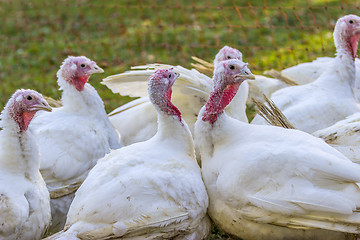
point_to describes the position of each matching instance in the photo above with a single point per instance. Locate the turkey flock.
(184, 156)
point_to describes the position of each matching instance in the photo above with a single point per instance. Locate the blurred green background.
(35, 37)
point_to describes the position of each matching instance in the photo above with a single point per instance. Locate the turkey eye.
(232, 67)
(351, 21)
(82, 65)
(29, 98)
(228, 57)
(170, 75)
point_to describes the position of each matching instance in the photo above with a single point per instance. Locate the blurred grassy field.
(35, 36)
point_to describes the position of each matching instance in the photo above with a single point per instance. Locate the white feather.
(267, 182)
(147, 190)
(71, 140)
(24, 199)
(344, 136)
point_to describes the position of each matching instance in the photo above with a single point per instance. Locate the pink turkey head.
(23, 105)
(347, 33)
(227, 78)
(227, 53)
(161, 82)
(230, 72)
(77, 70)
(160, 90)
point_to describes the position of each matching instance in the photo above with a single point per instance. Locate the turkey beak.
(245, 75)
(249, 77)
(176, 76)
(96, 69)
(42, 106)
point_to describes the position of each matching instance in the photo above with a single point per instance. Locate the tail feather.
(275, 74)
(188, 77)
(129, 105)
(52, 102)
(272, 114)
(134, 82)
(65, 190)
(203, 66)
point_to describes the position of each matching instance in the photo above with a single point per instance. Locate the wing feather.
(147, 225)
(134, 82)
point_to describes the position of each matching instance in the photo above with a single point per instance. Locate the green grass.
(218, 234)
(35, 36)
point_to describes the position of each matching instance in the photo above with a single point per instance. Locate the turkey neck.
(212, 119)
(238, 104)
(341, 72)
(218, 100)
(86, 101)
(23, 154)
(171, 127)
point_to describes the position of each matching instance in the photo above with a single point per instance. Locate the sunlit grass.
(37, 35)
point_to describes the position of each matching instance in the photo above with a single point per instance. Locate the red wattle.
(228, 94)
(79, 82)
(217, 102)
(27, 117)
(168, 94)
(354, 41)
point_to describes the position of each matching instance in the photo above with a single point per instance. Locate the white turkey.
(72, 137)
(307, 72)
(136, 120)
(24, 199)
(267, 182)
(147, 190)
(304, 73)
(330, 98)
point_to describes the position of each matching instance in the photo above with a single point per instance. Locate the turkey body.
(318, 104)
(24, 198)
(147, 190)
(266, 182)
(284, 180)
(71, 140)
(72, 137)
